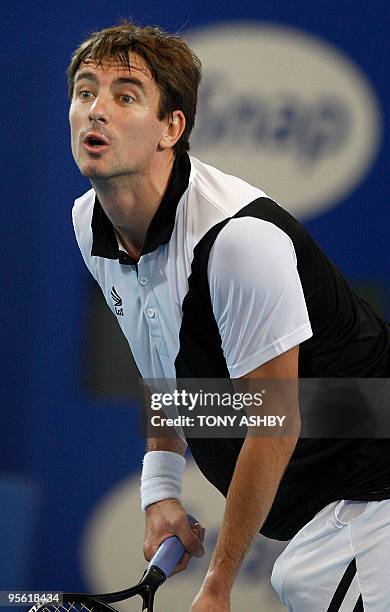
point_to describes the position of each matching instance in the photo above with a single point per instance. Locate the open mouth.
(94, 142)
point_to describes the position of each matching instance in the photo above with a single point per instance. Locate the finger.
(200, 535)
(196, 530)
(182, 563)
(192, 543)
(151, 548)
(192, 539)
(199, 531)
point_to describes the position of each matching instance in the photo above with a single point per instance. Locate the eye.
(126, 98)
(84, 94)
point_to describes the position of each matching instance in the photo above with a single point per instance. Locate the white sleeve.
(256, 292)
(82, 216)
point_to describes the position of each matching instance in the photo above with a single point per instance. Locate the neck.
(131, 201)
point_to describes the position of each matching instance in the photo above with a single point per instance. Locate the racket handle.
(170, 552)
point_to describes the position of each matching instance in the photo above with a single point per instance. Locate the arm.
(260, 309)
(259, 469)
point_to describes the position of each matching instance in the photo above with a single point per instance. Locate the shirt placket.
(151, 310)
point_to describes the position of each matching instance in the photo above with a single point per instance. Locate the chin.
(92, 172)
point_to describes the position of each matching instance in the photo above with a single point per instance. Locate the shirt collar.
(105, 243)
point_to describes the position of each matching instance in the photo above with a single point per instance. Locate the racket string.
(71, 606)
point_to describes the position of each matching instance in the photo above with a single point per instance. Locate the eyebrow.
(91, 76)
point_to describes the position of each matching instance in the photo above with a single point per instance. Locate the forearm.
(259, 469)
(171, 442)
(168, 439)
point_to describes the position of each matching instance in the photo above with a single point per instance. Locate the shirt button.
(143, 281)
(151, 313)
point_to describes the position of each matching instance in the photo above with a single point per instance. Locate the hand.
(208, 602)
(167, 518)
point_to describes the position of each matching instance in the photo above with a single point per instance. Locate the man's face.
(113, 118)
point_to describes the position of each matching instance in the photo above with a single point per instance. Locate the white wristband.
(162, 474)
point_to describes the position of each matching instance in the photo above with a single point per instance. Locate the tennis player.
(209, 278)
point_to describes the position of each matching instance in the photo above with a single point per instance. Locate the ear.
(175, 125)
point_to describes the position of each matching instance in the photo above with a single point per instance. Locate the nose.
(98, 112)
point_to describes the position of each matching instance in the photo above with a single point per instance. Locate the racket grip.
(170, 552)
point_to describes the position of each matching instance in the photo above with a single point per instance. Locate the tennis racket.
(159, 569)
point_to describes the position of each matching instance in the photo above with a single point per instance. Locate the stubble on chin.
(91, 173)
(90, 170)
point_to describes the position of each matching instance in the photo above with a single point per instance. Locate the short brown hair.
(174, 67)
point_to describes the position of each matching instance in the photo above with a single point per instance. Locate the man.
(215, 280)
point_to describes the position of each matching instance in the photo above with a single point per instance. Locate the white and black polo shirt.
(226, 281)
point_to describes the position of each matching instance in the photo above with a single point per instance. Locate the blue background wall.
(50, 473)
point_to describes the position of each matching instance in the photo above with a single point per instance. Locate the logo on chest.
(117, 302)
